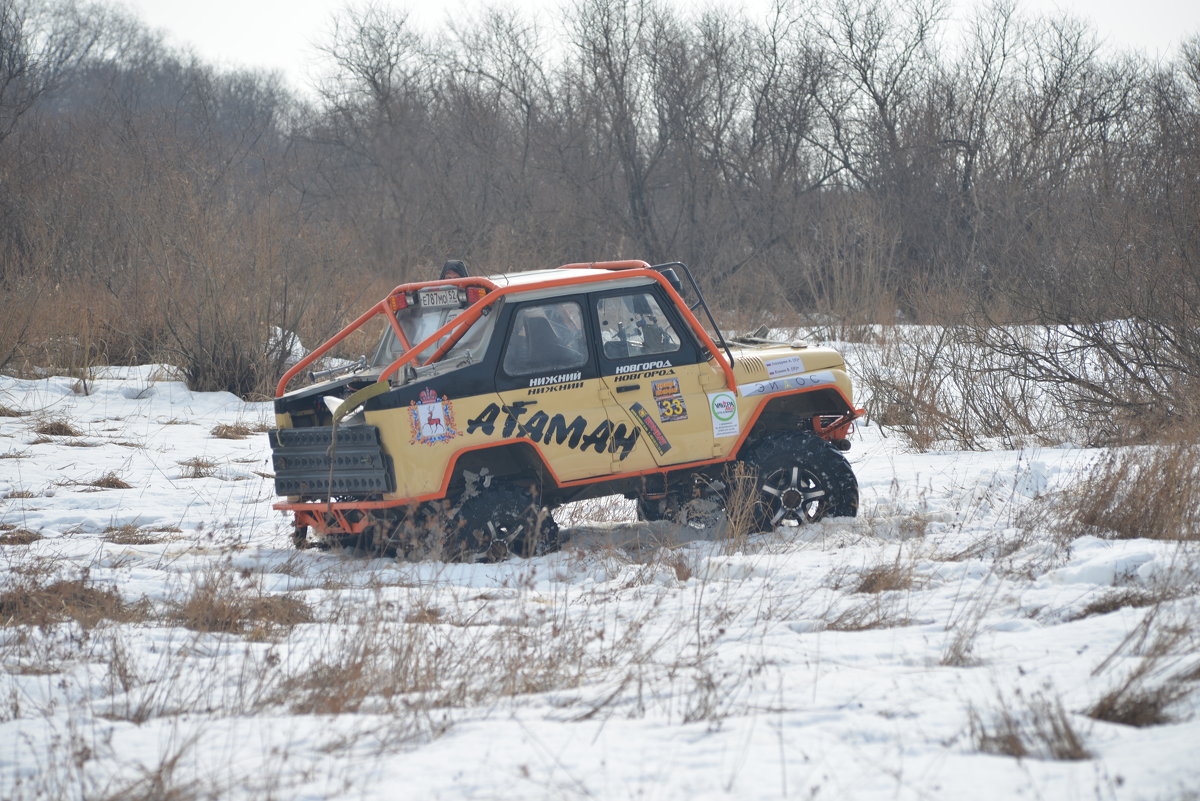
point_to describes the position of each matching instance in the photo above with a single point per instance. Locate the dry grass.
(8, 411)
(1144, 492)
(33, 603)
(16, 494)
(875, 613)
(109, 480)
(56, 427)
(231, 431)
(19, 536)
(130, 534)
(887, 577)
(1145, 693)
(221, 603)
(1120, 598)
(198, 467)
(1036, 728)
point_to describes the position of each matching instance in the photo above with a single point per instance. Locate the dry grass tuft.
(32, 603)
(1037, 728)
(8, 411)
(234, 431)
(19, 536)
(129, 534)
(426, 614)
(887, 577)
(874, 614)
(1144, 695)
(110, 480)
(21, 494)
(198, 467)
(1126, 597)
(1144, 492)
(57, 427)
(219, 603)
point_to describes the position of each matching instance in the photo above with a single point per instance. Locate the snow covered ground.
(182, 649)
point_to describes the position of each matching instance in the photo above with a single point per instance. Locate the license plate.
(439, 298)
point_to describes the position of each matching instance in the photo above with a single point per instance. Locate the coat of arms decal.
(432, 420)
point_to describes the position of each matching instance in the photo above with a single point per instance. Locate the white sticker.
(789, 366)
(786, 384)
(723, 408)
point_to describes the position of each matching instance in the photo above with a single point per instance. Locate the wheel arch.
(796, 411)
(507, 461)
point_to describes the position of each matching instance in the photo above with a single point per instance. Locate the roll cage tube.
(700, 301)
(381, 307)
(471, 314)
(454, 329)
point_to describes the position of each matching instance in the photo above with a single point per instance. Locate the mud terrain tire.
(800, 477)
(502, 521)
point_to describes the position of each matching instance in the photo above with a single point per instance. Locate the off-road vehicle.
(489, 402)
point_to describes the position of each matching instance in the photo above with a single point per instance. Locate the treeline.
(843, 160)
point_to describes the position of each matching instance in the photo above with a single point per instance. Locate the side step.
(302, 458)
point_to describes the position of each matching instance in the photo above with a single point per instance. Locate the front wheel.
(801, 478)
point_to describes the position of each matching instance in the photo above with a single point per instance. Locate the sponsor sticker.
(665, 389)
(787, 366)
(723, 408)
(786, 384)
(651, 426)
(672, 410)
(432, 420)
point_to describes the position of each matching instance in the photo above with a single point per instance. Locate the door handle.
(629, 387)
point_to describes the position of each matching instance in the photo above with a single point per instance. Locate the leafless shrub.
(220, 602)
(934, 384)
(29, 602)
(57, 427)
(1037, 728)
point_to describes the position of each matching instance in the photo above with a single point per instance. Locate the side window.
(634, 325)
(544, 338)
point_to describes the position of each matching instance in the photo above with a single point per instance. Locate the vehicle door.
(548, 381)
(654, 368)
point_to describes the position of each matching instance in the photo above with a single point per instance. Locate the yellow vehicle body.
(555, 384)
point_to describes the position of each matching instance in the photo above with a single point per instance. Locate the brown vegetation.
(57, 428)
(30, 602)
(1150, 492)
(836, 161)
(220, 602)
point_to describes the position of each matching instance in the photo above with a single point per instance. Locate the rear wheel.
(800, 478)
(502, 520)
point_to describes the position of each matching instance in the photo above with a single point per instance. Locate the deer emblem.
(432, 422)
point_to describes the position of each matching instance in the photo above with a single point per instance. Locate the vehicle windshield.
(418, 323)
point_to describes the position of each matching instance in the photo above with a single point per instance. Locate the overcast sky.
(281, 34)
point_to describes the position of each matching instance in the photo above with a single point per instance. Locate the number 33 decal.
(672, 409)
